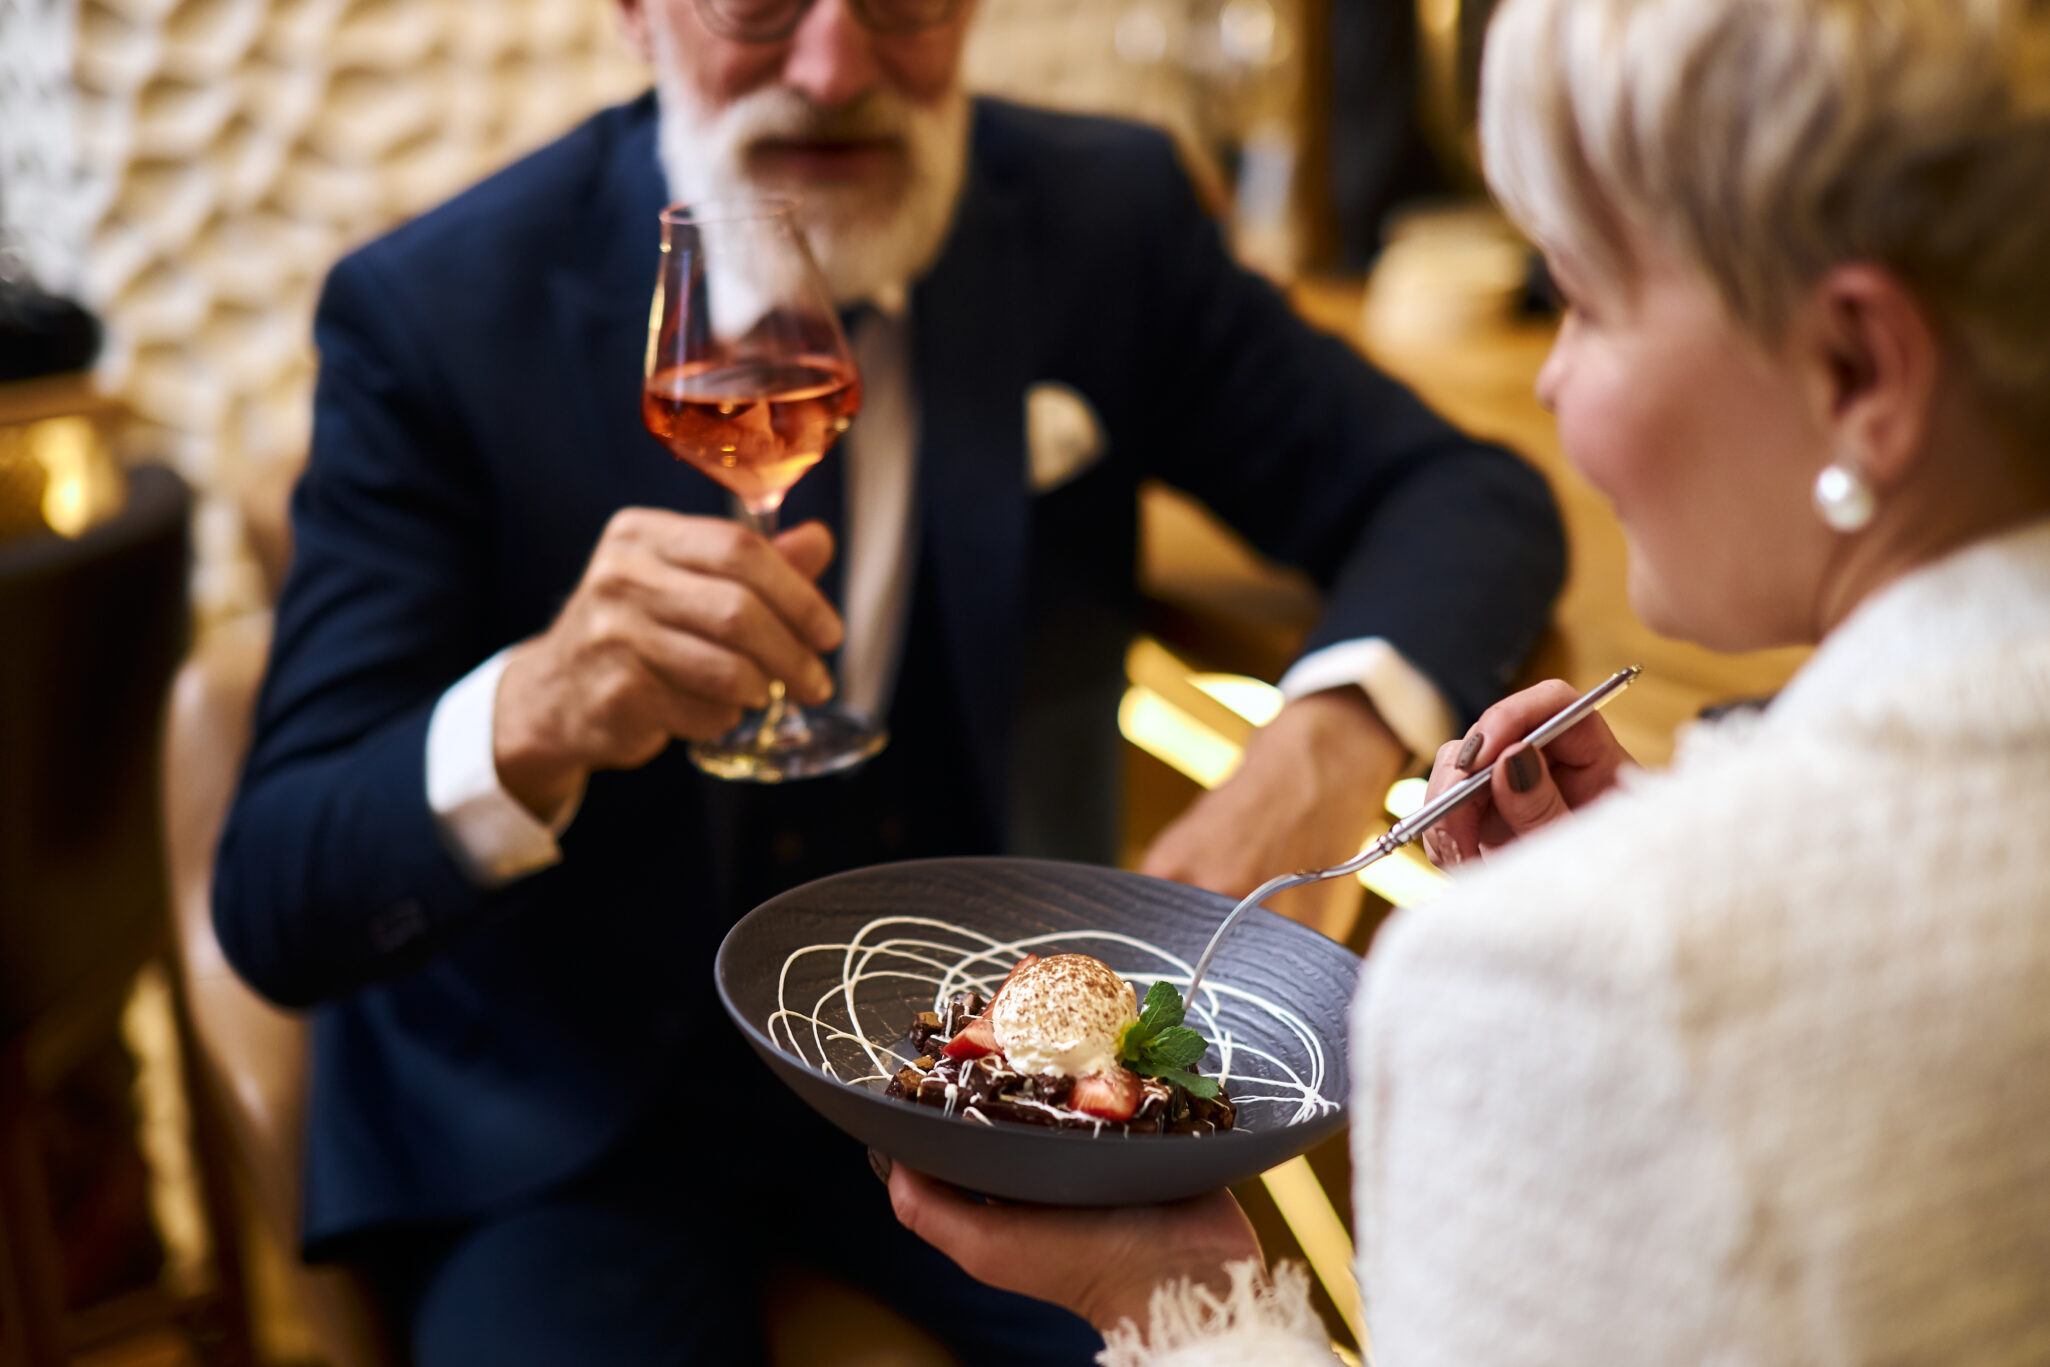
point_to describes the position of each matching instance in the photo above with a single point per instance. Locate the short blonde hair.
(1768, 140)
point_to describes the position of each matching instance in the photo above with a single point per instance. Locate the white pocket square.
(1062, 435)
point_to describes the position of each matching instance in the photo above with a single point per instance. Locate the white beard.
(871, 240)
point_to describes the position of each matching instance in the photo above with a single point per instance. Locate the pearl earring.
(1843, 498)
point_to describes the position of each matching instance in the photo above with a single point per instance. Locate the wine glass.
(751, 380)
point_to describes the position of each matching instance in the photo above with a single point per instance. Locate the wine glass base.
(807, 743)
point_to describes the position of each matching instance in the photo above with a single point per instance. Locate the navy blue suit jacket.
(477, 423)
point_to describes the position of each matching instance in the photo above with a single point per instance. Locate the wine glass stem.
(762, 521)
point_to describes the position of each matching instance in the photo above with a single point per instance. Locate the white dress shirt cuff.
(1409, 703)
(490, 833)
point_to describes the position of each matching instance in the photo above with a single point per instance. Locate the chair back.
(252, 1055)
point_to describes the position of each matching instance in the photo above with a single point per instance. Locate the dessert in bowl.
(1063, 1044)
(844, 984)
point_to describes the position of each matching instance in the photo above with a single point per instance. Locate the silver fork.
(1419, 821)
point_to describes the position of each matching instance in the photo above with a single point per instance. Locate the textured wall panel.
(229, 150)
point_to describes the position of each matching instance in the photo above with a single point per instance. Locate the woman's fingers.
(1056, 1256)
(1576, 767)
(1587, 744)
(1456, 838)
(1515, 717)
(1103, 1264)
(971, 1233)
(1525, 797)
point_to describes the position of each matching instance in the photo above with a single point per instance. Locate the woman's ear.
(1877, 356)
(633, 23)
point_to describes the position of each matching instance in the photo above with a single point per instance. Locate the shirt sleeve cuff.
(488, 830)
(1408, 702)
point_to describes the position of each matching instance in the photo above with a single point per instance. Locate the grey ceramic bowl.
(824, 979)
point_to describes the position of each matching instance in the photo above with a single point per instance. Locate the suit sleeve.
(331, 872)
(1446, 547)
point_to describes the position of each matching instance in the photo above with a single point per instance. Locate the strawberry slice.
(979, 1037)
(1109, 1095)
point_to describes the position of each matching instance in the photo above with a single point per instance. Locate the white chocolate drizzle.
(910, 947)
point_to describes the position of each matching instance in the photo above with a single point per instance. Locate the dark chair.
(91, 629)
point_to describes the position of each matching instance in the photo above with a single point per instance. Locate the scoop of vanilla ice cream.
(1063, 1014)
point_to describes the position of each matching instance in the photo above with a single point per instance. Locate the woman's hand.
(1530, 788)
(1101, 1264)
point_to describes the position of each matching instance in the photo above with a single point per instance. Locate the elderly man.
(464, 838)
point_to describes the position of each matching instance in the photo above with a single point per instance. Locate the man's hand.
(1303, 797)
(1101, 1264)
(678, 625)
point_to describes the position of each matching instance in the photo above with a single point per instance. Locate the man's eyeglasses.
(771, 21)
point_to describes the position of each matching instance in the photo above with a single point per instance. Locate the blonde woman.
(1748, 1061)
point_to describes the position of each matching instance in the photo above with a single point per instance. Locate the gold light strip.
(1405, 797)
(57, 471)
(1177, 739)
(1258, 701)
(1199, 748)
(1404, 879)
(1314, 1221)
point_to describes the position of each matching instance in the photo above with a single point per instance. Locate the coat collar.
(1955, 653)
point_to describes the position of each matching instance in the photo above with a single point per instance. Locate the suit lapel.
(599, 302)
(971, 363)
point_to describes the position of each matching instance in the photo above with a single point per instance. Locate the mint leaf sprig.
(1159, 1045)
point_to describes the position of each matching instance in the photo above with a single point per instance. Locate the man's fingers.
(1173, 859)
(1232, 879)
(1168, 864)
(697, 620)
(1189, 851)
(725, 550)
(688, 665)
(808, 547)
(1178, 853)
(699, 719)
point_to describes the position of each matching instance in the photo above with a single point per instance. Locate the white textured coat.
(1750, 1062)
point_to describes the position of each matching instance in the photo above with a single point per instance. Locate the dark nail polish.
(1523, 771)
(879, 1164)
(1470, 751)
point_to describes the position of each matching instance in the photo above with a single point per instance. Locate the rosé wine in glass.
(750, 380)
(754, 426)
